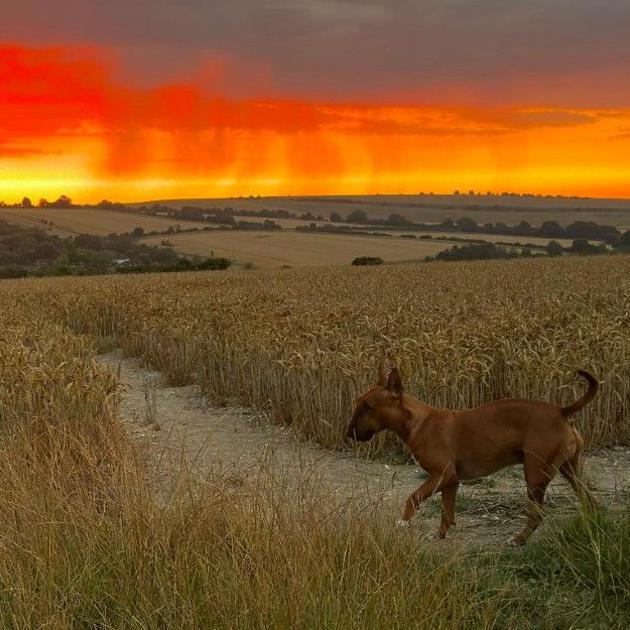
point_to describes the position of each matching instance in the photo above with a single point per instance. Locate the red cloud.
(49, 91)
(57, 98)
(60, 91)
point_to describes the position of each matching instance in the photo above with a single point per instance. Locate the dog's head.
(377, 408)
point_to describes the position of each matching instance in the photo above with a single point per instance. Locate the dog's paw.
(401, 523)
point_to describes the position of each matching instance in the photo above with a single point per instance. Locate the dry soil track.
(176, 427)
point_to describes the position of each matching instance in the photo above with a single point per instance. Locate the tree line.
(548, 229)
(34, 252)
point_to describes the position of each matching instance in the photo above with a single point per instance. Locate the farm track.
(177, 429)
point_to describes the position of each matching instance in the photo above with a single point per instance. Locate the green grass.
(581, 569)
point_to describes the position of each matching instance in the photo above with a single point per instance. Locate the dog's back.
(497, 434)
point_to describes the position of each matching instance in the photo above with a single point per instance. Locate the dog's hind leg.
(538, 474)
(449, 494)
(571, 470)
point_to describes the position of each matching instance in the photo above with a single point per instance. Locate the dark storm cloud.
(548, 51)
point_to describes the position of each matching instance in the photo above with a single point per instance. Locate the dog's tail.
(593, 386)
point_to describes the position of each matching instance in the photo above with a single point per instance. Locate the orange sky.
(69, 123)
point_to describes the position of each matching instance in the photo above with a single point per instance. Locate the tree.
(523, 228)
(481, 251)
(552, 229)
(63, 202)
(335, 217)
(623, 243)
(466, 224)
(554, 248)
(88, 241)
(584, 248)
(27, 203)
(589, 230)
(137, 232)
(357, 216)
(398, 219)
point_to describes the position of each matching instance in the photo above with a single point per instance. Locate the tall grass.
(256, 556)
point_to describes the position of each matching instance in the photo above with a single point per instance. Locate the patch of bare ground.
(179, 431)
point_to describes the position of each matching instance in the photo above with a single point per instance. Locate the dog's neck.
(409, 418)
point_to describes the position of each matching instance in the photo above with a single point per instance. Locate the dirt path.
(177, 427)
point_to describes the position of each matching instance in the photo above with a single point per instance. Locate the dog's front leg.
(429, 487)
(449, 494)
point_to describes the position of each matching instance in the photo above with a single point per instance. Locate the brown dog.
(457, 445)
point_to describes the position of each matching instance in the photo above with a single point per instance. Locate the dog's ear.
(394, 382)
(382, 378)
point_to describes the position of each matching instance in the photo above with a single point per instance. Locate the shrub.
(584, 248)
(368, 260)
(481, 251)
(554, 248)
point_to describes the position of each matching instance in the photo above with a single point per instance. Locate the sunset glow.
(71, 121)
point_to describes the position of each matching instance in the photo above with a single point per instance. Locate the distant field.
(103, 222)
(88, 220)
(291, 224)
(262, 248)
(436, 208)
(490, 238)
(295, 249)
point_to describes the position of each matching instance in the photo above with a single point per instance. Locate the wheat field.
(300, 344)
(87, 542)
(72, 221)
(299, 249)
